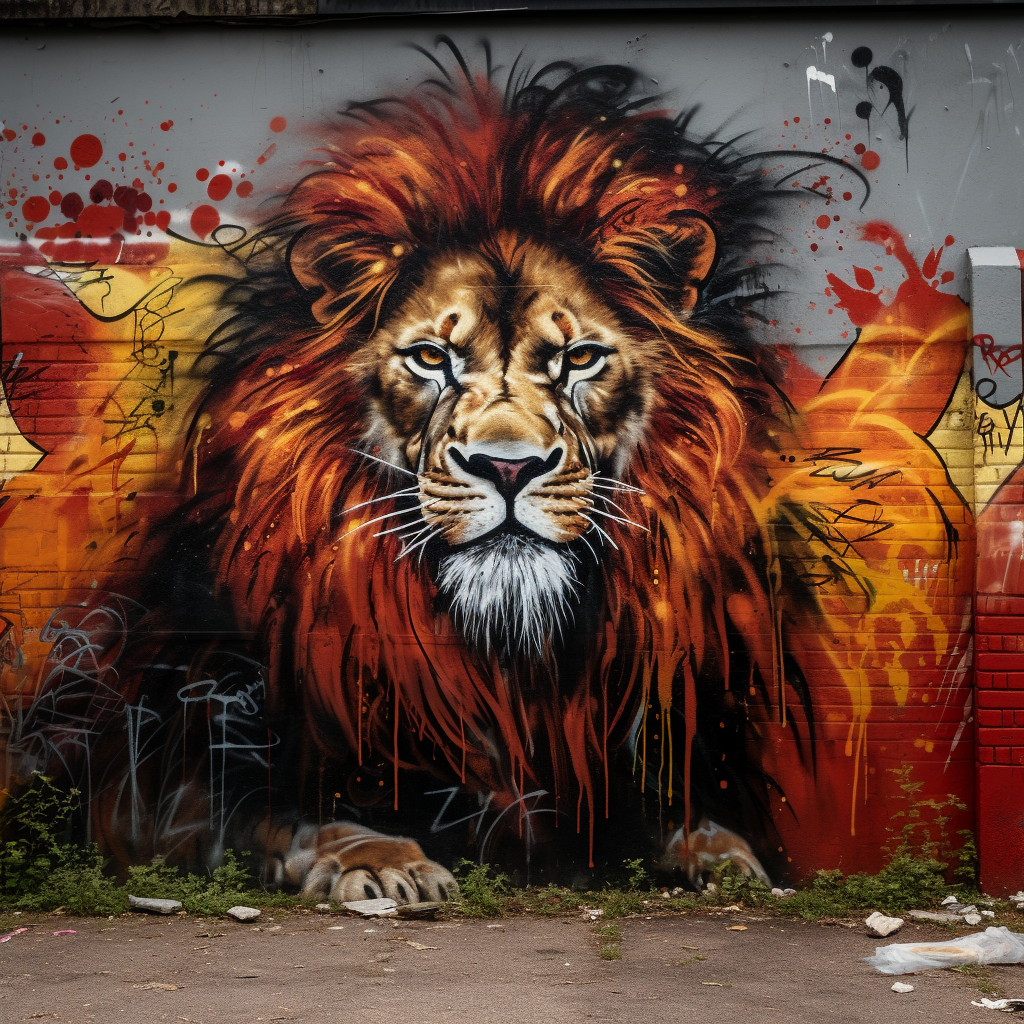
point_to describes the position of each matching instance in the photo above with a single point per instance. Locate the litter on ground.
(992, 946)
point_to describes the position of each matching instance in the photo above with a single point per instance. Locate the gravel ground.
(304, 967)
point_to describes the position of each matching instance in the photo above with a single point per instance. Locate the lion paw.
(343, 862)
(708, 846)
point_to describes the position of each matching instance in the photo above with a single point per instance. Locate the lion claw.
(345, 862)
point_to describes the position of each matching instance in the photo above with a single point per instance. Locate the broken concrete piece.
(949, 899)
(243, 913)
(902, 986)
(154, 906)
(323, 907)
(381, 907)
(879, 924)
(928, 915)
(424, 909)
(972, 919)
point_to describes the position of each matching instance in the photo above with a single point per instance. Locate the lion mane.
(692, 632)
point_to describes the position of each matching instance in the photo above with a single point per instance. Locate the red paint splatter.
(60, 164)
(244, 189)
(171, 188)
(864, 278)
(202, 174)
(71, 206)
(823, 221)
(163, 220)
(796, 120)
(828, 120)
(39, 139)
(122, 156)
(947, 276)
(278, 124)
(126, 198)
(267, 153)
(859, 148)
(847, 196)
(55, 198)
(814, 246)
(86, 151)
(35, 209)
(219, 187)
(949, 240)
(166, 126)
(204, 220)
(144, 202)
(931, 263)
(101, 191)
(870, 160)
(10, 134)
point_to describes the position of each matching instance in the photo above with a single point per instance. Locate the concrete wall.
(713, 591)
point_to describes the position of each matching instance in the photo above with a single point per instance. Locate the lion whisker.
(619, 485)
(421, 544)
(599, 530)
(626, 522)
(384, 497)
(384, 462)
(597, 561)
(608, 501)
(387, 515)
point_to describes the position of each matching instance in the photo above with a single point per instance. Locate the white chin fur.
(510, 593)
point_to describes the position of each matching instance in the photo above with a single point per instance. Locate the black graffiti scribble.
(890, 80)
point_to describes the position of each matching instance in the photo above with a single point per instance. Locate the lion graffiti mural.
(493, 524)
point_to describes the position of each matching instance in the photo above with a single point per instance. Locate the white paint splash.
(814, 75)
(825, 40)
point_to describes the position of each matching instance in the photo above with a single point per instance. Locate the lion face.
(516, 397)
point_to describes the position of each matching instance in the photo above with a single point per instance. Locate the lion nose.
(509, 476)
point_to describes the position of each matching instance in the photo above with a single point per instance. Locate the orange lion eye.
(429, 357)
(582, 357)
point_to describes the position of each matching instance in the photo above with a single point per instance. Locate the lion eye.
(583, 357)
(430, 357)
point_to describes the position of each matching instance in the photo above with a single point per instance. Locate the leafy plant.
(482, 891)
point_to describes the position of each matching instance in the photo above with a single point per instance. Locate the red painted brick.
(986, 755)
(1001, 737)
(1000, 662)
(999, 699)
(990, 718)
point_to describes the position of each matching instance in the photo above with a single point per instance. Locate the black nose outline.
(509, 476)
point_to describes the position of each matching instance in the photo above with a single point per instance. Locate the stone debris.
(154, 906)
(930, 915)
(381, 907)
(783, 893)
(972, 919)
(425, 909)
(948, 900)
(324, 908)
(591, 913)
(879, 924)
(901, 987)
(243, 913)
(1017, 899)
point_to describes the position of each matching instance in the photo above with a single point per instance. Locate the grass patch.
(980, 976)
(609, 937)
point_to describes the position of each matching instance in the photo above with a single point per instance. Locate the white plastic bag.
(992, 946)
